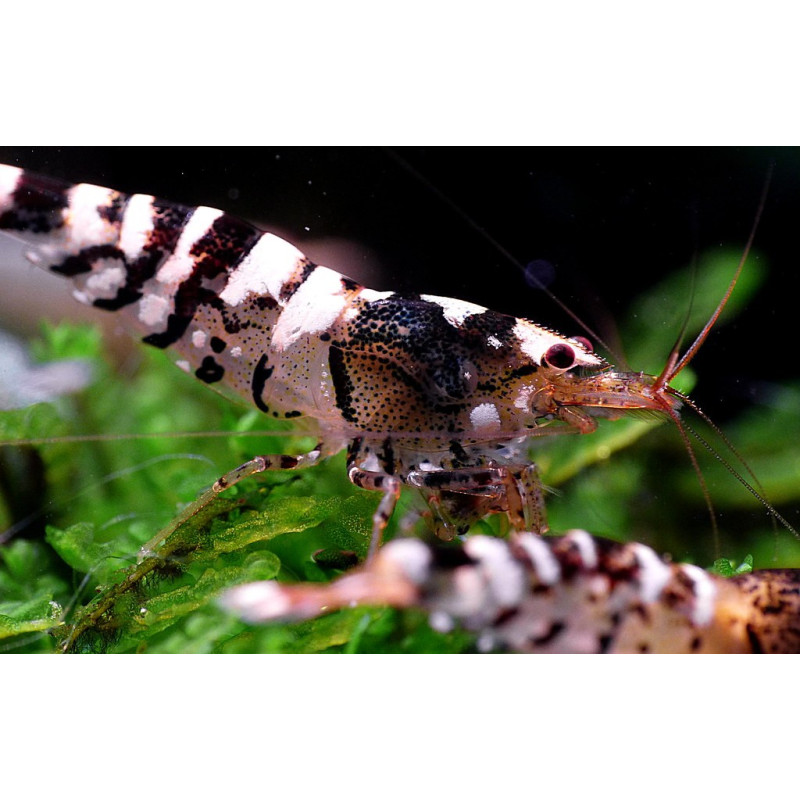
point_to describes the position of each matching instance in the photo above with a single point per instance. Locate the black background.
(609, 220)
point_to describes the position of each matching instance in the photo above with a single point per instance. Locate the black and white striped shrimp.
(568, 594)
(428, 391)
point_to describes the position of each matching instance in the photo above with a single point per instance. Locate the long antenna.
(671, 370)
(128, 437)
(675, 365)
(760, 497)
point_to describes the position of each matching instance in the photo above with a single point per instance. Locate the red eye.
(560, 356)
(585, 343)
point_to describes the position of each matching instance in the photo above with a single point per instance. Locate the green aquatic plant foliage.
(727, 568)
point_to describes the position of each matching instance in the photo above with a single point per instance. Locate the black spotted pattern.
(401, 360)
(217, 345)
(210, 371)
(261, 374)
(342, 383)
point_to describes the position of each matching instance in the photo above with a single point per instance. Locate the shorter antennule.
(669, 373)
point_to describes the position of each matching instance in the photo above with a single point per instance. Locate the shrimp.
(568, 594)
(426, 391)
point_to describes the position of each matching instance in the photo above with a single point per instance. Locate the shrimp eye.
(584, 342)
(559, 356)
